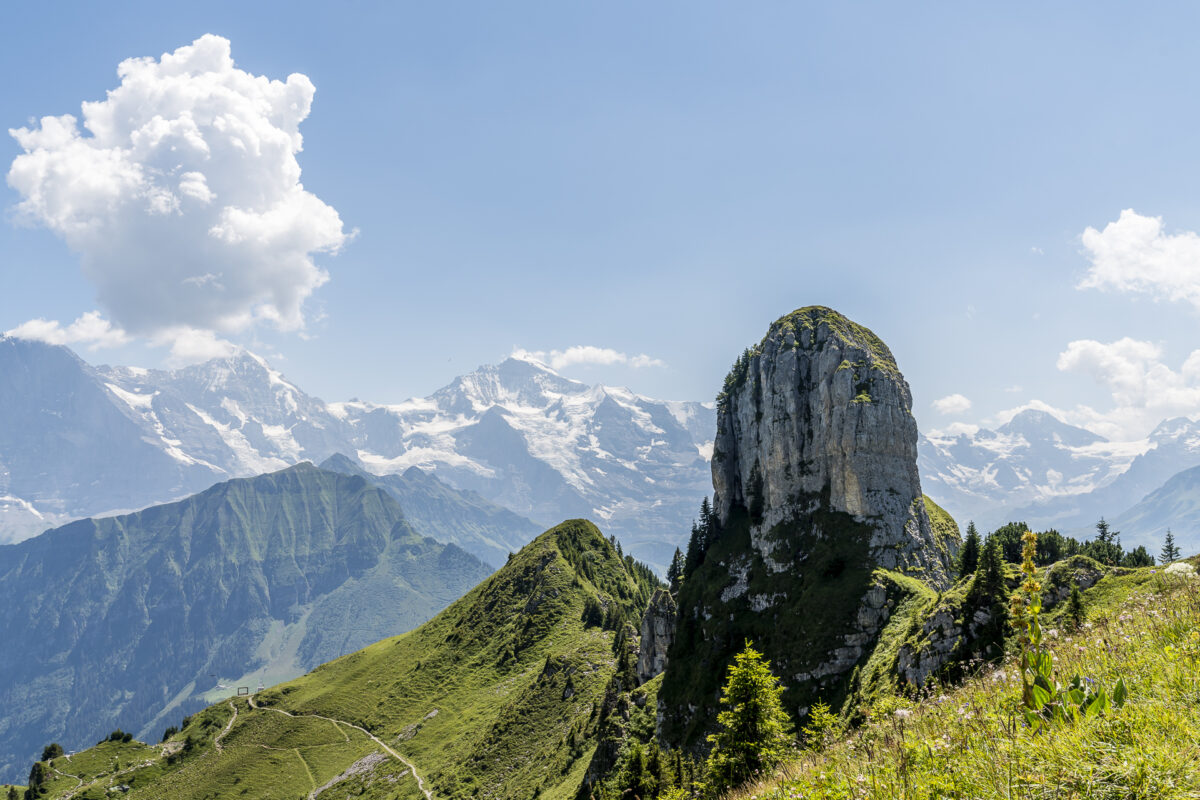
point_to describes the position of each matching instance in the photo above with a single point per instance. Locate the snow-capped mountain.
(78, 440)
(551, 448)
(1045, 472)
(69, 446)
(234, 416)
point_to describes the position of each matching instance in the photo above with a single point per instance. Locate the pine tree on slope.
(968, 557)
(755, 730)
(1169, 552)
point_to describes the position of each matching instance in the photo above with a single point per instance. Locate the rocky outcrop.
(942, 638)
(952, 631)
(1059, 579)
(658, 631)
(818, 417)
(817, 507)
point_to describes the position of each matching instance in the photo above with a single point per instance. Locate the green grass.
(968, 741)
(497, 697)
(946, 533)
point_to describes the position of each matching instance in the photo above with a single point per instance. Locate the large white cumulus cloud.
(182, 194)
(1135, 254)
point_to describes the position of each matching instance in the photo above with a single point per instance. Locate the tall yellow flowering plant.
(1043, 699)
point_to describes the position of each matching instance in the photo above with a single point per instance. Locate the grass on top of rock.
(972, 740)
(809, 318)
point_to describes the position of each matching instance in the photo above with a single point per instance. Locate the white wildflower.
(1181, 569)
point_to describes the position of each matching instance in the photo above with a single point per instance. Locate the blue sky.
(666, 180)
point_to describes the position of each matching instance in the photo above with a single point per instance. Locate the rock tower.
(819, 524)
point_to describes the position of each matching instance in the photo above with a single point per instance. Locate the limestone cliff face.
(819, 415)
(816, 493)
(658, 631)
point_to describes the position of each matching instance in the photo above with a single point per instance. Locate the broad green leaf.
(1040, 696)
(1120, 693)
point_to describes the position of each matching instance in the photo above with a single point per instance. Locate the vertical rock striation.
(819, 526)
(658, 631)
(818, 415)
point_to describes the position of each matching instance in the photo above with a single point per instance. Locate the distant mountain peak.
(1042, 423)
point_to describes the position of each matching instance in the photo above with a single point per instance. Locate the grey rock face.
(818, 415)
(658, 631)
(943, 637)
(1085, 576)
(951, 633)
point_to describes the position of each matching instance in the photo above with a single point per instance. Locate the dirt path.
(307, 771)
(111, 778)
(78, 780)
(228, 726)
(373, 737)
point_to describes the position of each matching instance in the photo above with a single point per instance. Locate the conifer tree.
(695, 551)
(755, 730)
(675, 570)
(1106, 548)
(703, 533)
(708, 524)
(968, 557)
(1138, 557)
(37, 781)
(1169, 552)
(1075, 611)
(990, 591)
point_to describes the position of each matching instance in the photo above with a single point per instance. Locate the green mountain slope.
(128, 620)
(1174, 505)
(968, 740)
(434, 508)
(498, 696)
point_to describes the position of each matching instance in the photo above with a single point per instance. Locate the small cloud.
(952, 404)
(588, 355)
(643, 360)
(1016, 388)
(90, 330)
(954, 430)
(1037, 251)
(193, 346)
(208, 278)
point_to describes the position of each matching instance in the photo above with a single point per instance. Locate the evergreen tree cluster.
(989, 591)
(1053, 547)
(704, 533)
(735, 378)
(675, 571)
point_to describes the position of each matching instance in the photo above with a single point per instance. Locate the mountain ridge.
(120, 620)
